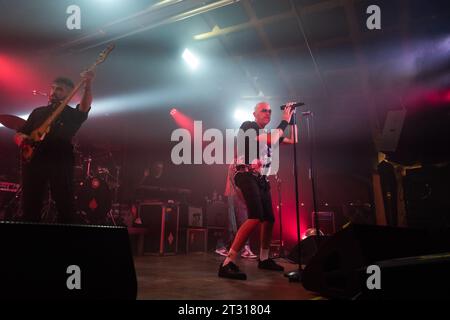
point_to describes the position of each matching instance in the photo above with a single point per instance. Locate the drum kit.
(96, 186)
(97, 183)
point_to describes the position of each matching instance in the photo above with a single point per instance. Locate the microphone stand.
(281, 253)
(295, 276)
(310, 129)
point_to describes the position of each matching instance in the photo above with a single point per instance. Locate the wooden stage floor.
(194, 277)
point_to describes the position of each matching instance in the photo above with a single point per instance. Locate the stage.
(194, 277)
(314, 129)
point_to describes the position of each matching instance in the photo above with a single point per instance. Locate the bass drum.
(94, 201)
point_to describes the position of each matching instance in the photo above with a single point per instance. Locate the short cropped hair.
(65, 81)
(258, 104)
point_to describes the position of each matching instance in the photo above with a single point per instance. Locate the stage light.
(190, 59)
(241, 115)
(139, 100)
(16, 74)
(311, 232)
(182, 120)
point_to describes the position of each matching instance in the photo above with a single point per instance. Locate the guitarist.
(53, 161)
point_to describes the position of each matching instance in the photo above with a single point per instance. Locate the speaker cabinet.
(335, 271)
(46, 261)
(161, 221)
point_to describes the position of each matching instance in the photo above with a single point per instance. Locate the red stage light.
(182, 120)
(17, 75)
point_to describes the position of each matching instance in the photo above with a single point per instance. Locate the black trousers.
(53, 170)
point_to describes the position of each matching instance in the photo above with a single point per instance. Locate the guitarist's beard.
(53, 101)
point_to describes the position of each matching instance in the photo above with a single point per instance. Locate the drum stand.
(15, 204)
(116, 186)
(48, 210)
(111, 216)
(116, 193)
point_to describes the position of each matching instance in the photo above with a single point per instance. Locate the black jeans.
(54, 170)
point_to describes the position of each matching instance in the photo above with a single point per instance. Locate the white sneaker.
(222, 251)
(248, 254)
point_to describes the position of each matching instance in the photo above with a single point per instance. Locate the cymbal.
(11, 122)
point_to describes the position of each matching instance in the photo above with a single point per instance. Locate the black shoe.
(231, 271)
(269, 264)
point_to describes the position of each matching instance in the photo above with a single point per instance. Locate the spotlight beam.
(190, 59)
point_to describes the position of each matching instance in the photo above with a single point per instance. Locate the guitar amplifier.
(217, 214)
(161, 221)
(195, 218)
(196, 240)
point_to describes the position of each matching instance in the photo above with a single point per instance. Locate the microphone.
(295, 105)
(36, 92)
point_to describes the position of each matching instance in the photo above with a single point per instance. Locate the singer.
(52, 164)
(253, 186)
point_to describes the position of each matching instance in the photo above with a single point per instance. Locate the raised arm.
(86, 99)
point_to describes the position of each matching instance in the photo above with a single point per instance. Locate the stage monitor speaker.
(421, 277)
(327, 221)
(309, 248)
(50, 261)
(335, 271)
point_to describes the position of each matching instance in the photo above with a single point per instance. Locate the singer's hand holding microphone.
(291, 106)
(288, 110)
